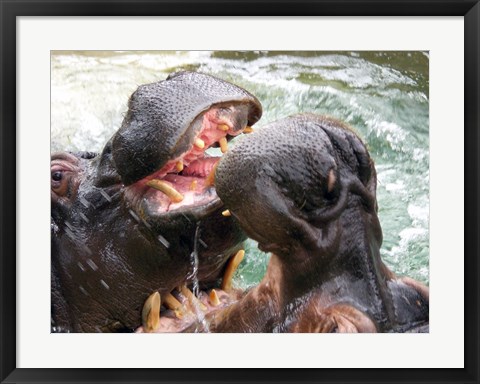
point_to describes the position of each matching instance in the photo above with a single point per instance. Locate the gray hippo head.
(298, 174)
(304, 188)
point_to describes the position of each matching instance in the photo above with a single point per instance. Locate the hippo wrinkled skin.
(142, 216)
(305, 189)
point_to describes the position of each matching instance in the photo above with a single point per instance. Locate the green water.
(383, 95)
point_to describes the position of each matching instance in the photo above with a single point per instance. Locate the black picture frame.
(9, 10)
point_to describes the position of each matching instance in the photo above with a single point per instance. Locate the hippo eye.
(59, 183)
(57, 176)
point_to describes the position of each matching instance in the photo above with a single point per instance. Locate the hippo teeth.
(167, 189)
(191, 298)
(248, 129)
(199, 143)
(232, 266)
(223, 144)
(210, 180)
(213, 298)
(170, 302)
(151, 313)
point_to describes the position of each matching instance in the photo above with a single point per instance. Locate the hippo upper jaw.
(159, 153)
(174, 121)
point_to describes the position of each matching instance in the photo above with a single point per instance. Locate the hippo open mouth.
(185, 182)
(160, 150)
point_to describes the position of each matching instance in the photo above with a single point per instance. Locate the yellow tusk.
(179, 166)
(226, 213)
(193, 185)
(167, 189)
(223, 127)
(223, 144)
(248, 129)
(170, 302)
(199, 143)
(191, 298)
(232, 266)
(151, 313)
(213, 298)
(210, 180)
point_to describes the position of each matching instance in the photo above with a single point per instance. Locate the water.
(383, 95)
(193, 277)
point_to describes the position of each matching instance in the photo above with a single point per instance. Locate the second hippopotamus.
(308, 195)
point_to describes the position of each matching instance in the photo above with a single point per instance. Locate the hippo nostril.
(331, 180)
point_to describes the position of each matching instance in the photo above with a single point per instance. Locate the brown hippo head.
(143, 215)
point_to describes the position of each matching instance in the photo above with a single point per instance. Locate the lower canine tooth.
(170, 302)
(232, 266)
(223, 144)
(167, 189)
(226, 213)
(223, 127)
(151, 313)
(193, 185)
(248, 129)
(210, 180)
(213, 298)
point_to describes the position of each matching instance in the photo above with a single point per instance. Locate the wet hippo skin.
(142, 216)
(305, 188)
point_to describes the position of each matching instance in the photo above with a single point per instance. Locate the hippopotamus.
(308, 196)
(142, 216)
(304, 188)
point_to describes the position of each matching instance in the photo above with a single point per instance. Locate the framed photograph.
(383, 89)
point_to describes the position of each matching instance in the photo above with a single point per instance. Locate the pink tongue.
(200, 168)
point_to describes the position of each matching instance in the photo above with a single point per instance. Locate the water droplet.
(85, 202)
(84, 217)
(134, 215)
(104, 284)
(106, 195)
(83, 290)
(92, 264)
(164, 241)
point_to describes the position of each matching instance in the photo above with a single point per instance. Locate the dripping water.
(193, 277)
